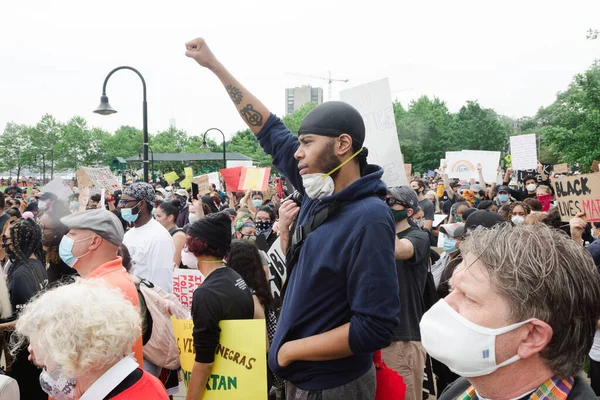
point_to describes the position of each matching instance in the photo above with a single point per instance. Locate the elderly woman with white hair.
(82, 335)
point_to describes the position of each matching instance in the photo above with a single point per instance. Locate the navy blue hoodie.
(346, 272)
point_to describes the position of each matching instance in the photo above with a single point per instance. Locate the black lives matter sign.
(578, 194)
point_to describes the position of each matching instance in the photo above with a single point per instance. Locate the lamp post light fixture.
(205, 146)
(105, 109)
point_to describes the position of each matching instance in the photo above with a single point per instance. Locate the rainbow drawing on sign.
(463, 166)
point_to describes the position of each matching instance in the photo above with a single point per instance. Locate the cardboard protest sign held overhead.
(231, 176)
(240, 367)
(189, 173)
(374, 102)
(523, 151)
(59, 187)
(596, 166)
(203, 182)
(255, 179)
(561, 168)
(578, 194)
(186, 183)
(98, 177)
(171, 177)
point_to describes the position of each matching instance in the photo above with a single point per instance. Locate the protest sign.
(189, 173)
(374, 102)
(231, 176)
(561, 168)
(213, 178)
(463, 164)
(240, 367)
(277, 269)
(185, 281)
(186, 183)
(203, 183)
(255, 179)
(578, 194)
(171, 177)
(408, 170)
(523, 152)
(430, 174)
(59, 187)
(596, 166)
(99, 177)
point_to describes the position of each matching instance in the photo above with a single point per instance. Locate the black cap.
(467, 213)
(214, 229)
(483, 218)
(503, 188)
(332, 119)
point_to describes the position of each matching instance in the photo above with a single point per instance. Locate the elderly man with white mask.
(520, 320)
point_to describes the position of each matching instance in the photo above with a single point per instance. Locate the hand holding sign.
(578, 225)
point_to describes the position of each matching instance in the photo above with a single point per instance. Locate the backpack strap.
(145, 314)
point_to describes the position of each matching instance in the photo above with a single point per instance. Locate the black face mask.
(263, 226)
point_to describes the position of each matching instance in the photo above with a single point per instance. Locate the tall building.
(297, 97)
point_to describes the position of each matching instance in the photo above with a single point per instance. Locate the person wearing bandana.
(265, 218)
(342, 299)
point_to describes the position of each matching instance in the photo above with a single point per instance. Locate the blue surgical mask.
(65, 250)
(449, 245)
(503, 198)
(127, 214)
(257, 203)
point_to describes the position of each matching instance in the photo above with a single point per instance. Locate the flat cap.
(104, 223)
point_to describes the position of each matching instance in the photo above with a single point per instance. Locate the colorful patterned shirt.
(553, 389)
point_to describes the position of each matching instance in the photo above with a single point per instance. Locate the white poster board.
(374, 102)
(239, 163)
(523, 151)
(59, 187)
(463, 164)
(185, 281)
(213, 177)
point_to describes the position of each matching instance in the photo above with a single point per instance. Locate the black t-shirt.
(412, 275)
(24, 280)
(222, 296)
(428, 209)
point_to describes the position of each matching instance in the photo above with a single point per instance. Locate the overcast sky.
(513, 56)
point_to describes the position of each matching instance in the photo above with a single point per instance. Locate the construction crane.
(329, 79)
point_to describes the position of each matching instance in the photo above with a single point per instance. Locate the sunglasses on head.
(392, 201)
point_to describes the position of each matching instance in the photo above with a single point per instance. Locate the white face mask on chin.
(321, 185)
(468, 349)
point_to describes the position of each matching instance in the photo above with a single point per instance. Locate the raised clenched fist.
(199, 51)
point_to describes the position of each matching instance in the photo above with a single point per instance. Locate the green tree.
(15, 143)
(80, 145)
(477, 128)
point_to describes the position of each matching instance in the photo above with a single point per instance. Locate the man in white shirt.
(149, 243)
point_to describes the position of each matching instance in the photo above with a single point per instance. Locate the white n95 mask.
(468, 349)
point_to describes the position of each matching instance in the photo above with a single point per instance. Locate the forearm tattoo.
(252, 117)
(235, 94)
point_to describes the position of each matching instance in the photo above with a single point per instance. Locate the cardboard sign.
(189, 173)
(523, 152)
(596, 166)
(186, 183)
(374, 102)
(59, 187)
(240, 367)
(576, 194)
(255, 179)
(231, 176)
(171, 177)
(185, 281)
(203, 182)
(561, 168)
(99, 177)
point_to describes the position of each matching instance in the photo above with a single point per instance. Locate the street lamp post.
(204, 146)
(151, 157)
(105, 109)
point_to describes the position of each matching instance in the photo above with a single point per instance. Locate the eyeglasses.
(123, 202)
(390, 201)
(6, 240)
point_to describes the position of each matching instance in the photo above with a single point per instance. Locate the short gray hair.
(546, 275)
(81, 327)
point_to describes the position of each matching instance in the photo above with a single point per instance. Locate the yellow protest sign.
(240, 368)
(189, 173)
(171, 177)
(186, 183)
